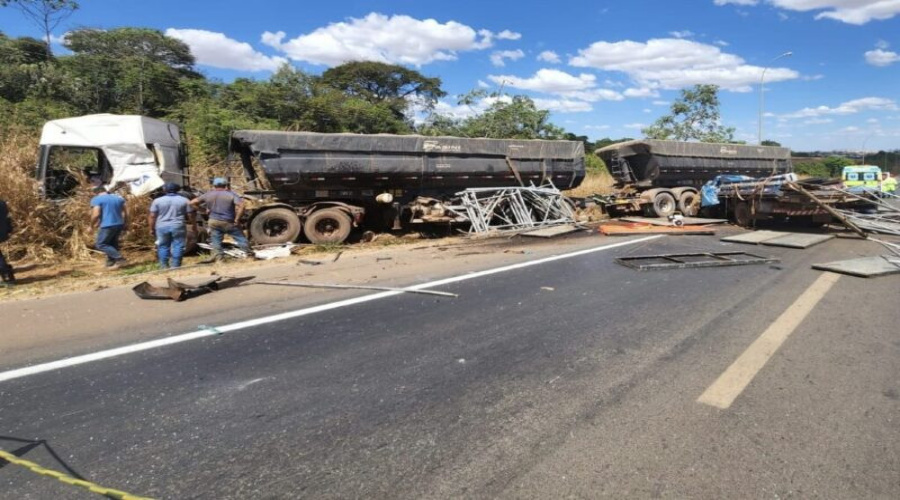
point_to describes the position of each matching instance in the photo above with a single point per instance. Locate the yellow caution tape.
(95, 488)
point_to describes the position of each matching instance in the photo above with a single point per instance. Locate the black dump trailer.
(659, 177)
(326, 184)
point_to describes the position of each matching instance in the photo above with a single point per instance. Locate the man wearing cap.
(225, 211)
(110, 217)
(169, 216)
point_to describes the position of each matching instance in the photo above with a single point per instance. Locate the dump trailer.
(659, 177)
(324, 185)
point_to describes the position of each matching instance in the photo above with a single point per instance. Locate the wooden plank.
(866, 267)
(552, 232)
(798, 240)
(754, 237)
(664, 221)
(622, 230)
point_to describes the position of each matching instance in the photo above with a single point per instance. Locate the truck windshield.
(67, 168)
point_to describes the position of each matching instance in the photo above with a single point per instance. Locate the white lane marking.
(735, 379)
(208, 332)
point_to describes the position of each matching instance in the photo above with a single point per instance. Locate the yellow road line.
(735, 379)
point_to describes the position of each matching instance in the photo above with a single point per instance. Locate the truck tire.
(275, 226)
(742, 215)
(329, 225)
(663, 205)
(686, 203)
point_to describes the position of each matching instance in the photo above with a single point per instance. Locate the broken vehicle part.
(694, 260)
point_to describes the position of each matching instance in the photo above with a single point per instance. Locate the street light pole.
(762, 91)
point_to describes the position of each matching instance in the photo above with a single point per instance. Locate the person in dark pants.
(225, 211)
(6, 271)
(169, 217)
(110, 217)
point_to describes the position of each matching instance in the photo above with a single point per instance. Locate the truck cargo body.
(658, 177)
(385, 177)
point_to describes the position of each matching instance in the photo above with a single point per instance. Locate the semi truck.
(658, 178)
(315, 185)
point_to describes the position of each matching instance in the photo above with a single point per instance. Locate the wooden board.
(664, 221)
(866, 267)
(754, 237)
(798, 240)
(551, 232)
(626, 229)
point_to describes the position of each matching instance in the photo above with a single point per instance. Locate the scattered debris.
(379, 259)
(548, 288)
(274, 252)
(180, 291)
(780, 239)
(694, 260)
(310, 262)
(866, 267)
(627, 228)
(357, 287)
(553, 231)
(227, 248)
(513, 208)
(664, 221)
(338, 256)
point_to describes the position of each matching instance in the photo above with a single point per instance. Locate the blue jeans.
(218, 229)
(171, 241)
(108, 243)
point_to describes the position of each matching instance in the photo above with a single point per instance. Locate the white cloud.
(818, 121)
(498, 57)
(563, 105)
(682, 34)
(783, 17)
(548, 80)
(847, 108)
(641, 92)
(872, 121)
(856, 12)
(395, 39)
(721, 43)
(217, 50)
(881, 58)
(549, 56)
(508, 35)
(881, 44)
(812, 78)
(636, 126)
(483, 84)
(671, 63)
(597, 127)
(660, 103)
(463, 111)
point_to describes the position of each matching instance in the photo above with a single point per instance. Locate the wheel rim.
(327, 227)
(275, 227)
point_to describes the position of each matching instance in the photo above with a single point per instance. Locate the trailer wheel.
(742, 215)
(329, 225)
(275, 226)
(663, 205)
(686, 203)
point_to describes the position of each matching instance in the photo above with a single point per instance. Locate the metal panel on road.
(798, 240)
(866, 267)
(754, 238)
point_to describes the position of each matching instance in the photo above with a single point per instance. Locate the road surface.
(569, 377)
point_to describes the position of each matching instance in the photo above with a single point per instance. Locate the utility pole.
(762, 91)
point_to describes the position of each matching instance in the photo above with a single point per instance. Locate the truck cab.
(138, 151)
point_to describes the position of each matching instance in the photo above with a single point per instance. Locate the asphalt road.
(573, 378)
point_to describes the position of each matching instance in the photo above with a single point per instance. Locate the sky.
(603, 68)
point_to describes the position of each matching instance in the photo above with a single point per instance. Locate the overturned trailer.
(659, 177)
(323, 185)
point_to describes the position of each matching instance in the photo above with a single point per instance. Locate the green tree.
(126, 70)
(770, 143)
(46, 14)
(694, 116)
(383, 84)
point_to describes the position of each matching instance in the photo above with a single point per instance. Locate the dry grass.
(48, 231)
(595, 183)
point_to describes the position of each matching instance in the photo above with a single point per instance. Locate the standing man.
(225, 211)
(109, 216)
(888, 183)
(169, 216)
(6, 226)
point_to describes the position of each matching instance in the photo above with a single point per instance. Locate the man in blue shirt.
(110, 217)
(225, 211)
(169, 216)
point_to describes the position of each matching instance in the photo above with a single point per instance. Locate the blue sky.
(602, 68)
